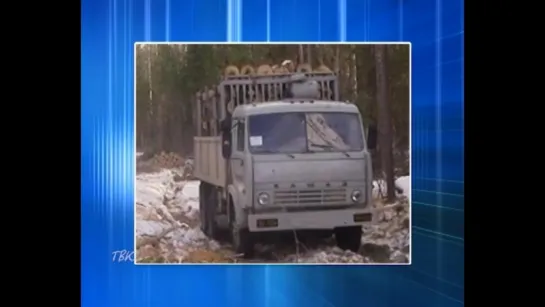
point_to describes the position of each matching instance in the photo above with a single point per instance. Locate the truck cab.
(298, 163)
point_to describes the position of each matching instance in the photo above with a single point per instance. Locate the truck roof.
(294, 105)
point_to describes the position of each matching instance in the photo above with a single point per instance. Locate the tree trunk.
(337, 60)
(354, 77)
(151, 113)
(384, 121)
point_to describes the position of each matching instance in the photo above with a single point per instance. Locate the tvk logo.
(123, 256)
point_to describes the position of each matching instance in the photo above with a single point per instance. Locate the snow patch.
(402, 184)
(167, 211)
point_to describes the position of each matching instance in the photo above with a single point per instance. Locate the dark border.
(495, 86)
(51, 76)
(471, 237)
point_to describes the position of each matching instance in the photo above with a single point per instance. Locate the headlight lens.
(263, 198)
(356, 196)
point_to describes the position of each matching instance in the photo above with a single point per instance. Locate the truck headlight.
(356, 196)
(263, 198)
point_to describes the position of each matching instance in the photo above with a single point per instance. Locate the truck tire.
(242, 238)
(243, 242)
(211, 226)
(349, 238)
(202, 206)
(207, 206)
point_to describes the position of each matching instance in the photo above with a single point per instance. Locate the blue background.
(435, 28)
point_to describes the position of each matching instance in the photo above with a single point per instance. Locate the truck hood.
(299, 170)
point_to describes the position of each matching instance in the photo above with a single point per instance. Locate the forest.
(376, 78)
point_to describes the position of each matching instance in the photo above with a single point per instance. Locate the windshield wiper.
(276, 152)
(329, 147)
(323, 146)
(289, 155)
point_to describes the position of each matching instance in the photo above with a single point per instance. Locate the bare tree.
(384, 122)
(337, 59)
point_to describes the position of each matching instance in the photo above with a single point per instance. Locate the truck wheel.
(349, 238)
(202, 207)
(241, 238)
(242, 241)
(207, 206)
(211, 227)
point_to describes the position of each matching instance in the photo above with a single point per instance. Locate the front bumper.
(327, 219)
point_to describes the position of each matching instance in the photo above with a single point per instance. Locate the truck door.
(238, 166)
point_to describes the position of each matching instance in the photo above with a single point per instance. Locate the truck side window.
(241, 134)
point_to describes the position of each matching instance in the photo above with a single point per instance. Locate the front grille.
(310, 197)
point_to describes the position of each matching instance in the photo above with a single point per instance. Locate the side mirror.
(226, 144)
(226, 125)
(372, 137)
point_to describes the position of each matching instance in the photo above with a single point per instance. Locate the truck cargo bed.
(209, 163)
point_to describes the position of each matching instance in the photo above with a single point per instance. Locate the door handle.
(241, 162)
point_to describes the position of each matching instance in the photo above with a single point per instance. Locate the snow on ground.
(403, 187)
(167, 218)
(167, 229)
(390, 237)
(404, 183)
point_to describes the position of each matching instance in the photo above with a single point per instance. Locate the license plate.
(266, 223)
(363, 217)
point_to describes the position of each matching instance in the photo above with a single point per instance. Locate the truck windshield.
(305, 132)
